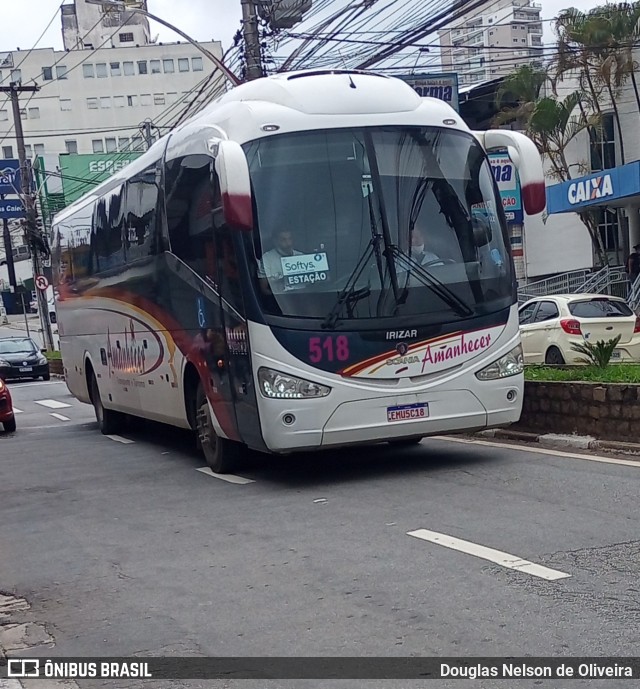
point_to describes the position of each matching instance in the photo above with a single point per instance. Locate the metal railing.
(564, 283)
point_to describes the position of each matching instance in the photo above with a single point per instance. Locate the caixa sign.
(590, 189)
(10, 177)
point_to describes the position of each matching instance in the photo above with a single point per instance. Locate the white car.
(549, 325)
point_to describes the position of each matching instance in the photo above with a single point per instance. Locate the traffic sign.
(12, 208)
(41, 282)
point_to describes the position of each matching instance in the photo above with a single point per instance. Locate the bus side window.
(191, 199)
(140, 217)
(107, 248)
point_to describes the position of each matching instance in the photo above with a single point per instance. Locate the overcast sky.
(24, 20)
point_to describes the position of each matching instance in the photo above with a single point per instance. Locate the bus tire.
(221, 455)
(109, 421)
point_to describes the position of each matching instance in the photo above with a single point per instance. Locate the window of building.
(172, 96)
(142, 67)
(97, 145)
(101, 70)
(28, 151)
(524, 40)
(169, 66)
(197, 64)
(145, 99)
(88, 71)
(61, 72)
(515, 40)
(4, 115)
(111, 145)
(115, 69)
(71, 146)
(38, 149)
(7, 151)
(16, 75)
(137, 143)
(23, 113)
(183, 64)
(609, 229)
(128, 69)
(47, 73)
(124, 144)
(603, 144)
(158, 99)
(92, 103)
(126, 37)
(34, 113)
(155, 66)
(105, 102)
(118, 102)
(132, 101)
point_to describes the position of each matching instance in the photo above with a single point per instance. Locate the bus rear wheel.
(109, 421)
(221, 455)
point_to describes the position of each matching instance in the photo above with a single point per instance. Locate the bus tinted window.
(142, 199)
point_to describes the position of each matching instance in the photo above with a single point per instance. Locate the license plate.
(406, 412)
(616, 354)
(26, 369)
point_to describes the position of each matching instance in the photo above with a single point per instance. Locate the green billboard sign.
(81, 173)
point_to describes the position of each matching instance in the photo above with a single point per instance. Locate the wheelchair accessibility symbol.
(202, 318)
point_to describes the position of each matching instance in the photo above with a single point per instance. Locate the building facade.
(492, 40)
(86, 26)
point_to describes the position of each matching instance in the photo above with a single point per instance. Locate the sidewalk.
(568, 442)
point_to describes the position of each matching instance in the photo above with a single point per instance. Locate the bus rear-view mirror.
(235, 185)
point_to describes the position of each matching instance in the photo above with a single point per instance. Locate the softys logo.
(590, 189)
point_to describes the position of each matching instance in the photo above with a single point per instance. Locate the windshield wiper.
(447, 295)
(349, 295)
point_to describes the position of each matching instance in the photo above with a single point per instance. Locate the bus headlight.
(507, 365)
(278, 385)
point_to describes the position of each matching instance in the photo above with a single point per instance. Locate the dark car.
(7, 417)
(20, 358)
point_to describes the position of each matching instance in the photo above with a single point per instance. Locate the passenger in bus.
(270, 266)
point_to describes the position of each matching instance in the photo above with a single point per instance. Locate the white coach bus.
(318, 259)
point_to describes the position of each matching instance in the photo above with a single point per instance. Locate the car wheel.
(47, 376)
(222, 455)
(554, 356)
(10, 426)
(109, 421)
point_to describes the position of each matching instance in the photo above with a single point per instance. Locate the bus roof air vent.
(325, 72)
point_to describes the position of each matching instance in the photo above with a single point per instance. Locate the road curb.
(563, 441)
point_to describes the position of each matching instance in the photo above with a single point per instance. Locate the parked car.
(20, 358)
(33, 307)
(7, 417)
(549, 325)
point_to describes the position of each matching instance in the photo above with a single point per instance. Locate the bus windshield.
(377, 223)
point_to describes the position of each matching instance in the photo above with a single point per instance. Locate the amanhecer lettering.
(468, 345)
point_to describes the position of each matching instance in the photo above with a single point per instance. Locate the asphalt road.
(122, 547)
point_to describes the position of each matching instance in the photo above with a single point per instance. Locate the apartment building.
(492, 40)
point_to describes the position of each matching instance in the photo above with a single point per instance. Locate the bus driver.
(270, 266)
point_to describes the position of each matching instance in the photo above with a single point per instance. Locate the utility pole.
(36, 240)
(8, 251)
(148, 136)
(251, 40)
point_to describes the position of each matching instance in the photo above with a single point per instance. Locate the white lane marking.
(52, 404)
(120, 439)
(541, 451)
(17, 411)
(19, 386)
(497, 556)
(60, 416)
(229, 478)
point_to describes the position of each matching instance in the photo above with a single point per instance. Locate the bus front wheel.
(109, 421)
(222, 455)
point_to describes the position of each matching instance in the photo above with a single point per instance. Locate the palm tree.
(522, 87)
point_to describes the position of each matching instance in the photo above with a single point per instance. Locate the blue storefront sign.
(607, 187)
(443, 86)
(506, 176)
(10, 177)
(12, 208)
